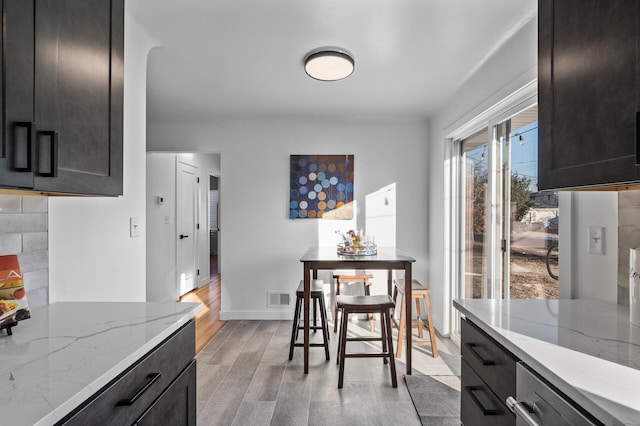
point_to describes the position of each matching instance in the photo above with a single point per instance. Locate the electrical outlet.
(596, 240)
(134, 227)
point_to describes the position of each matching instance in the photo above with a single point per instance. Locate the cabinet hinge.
(197, 226)
(198, 272)
(503, 245)
(198, 180)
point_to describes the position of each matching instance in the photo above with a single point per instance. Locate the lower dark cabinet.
(479, 405)
(488, 377)
(177, 405)
(160, 385)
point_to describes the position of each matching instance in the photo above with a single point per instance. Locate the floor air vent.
(276, 299)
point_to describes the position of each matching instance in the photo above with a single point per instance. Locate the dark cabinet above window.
(589, 93)
(62, 119)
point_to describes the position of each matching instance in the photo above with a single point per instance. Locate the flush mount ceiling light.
(329, 64)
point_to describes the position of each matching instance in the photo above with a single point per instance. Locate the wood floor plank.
(266, 383)
(254, 413)
(223, 404)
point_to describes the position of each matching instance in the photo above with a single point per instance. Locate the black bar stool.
(381, 304)
(317, 295)
(346, 277)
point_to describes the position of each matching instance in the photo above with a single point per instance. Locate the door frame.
(521, 99)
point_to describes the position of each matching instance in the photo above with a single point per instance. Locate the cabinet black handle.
(23, 140)
(182, 237)
(472, 349)
(478, 394)
(151, 379)
(638, 138)
(52, 137)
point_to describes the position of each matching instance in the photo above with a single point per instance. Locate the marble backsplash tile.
(23, 231)
(628, 237)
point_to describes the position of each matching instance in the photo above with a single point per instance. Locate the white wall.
(161, 246)
(161, 236)
(510, 68)
(260, 246)
(91, 256)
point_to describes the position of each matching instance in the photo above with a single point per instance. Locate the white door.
(186, 221)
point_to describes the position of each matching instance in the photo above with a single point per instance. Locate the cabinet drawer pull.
(521, 411)
(472, 349)
(638, 138)
(23, 141)
(51, 169)
(480, 397)
(151, 379)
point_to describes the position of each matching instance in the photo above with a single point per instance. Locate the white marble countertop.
(68, 351)
(587, 349)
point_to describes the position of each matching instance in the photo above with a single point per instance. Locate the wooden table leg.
(307, 302)
(407, 303)
(389, 282)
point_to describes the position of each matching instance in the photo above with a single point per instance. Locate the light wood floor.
(208, 321)
(244, 377)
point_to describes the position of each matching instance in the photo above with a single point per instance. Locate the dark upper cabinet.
(588, 92)
(17, 154)
(63, 120)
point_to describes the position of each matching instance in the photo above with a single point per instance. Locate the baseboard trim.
(256, 315)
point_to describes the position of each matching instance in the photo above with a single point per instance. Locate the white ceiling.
(243, 58)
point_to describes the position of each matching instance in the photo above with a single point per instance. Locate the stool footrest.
(366, 355)
(421, 343)
(363, 339)
(312, 327)
(310, 344)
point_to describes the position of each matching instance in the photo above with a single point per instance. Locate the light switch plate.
(134, 227)
(596, 240)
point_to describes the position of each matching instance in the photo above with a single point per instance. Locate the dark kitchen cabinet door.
(79, 96)
(588, 93)
(488, 378)
(17, 154)
(177, 405)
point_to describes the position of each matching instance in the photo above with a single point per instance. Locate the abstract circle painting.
(321, 187)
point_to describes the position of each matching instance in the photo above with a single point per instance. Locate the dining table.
(385, 258)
